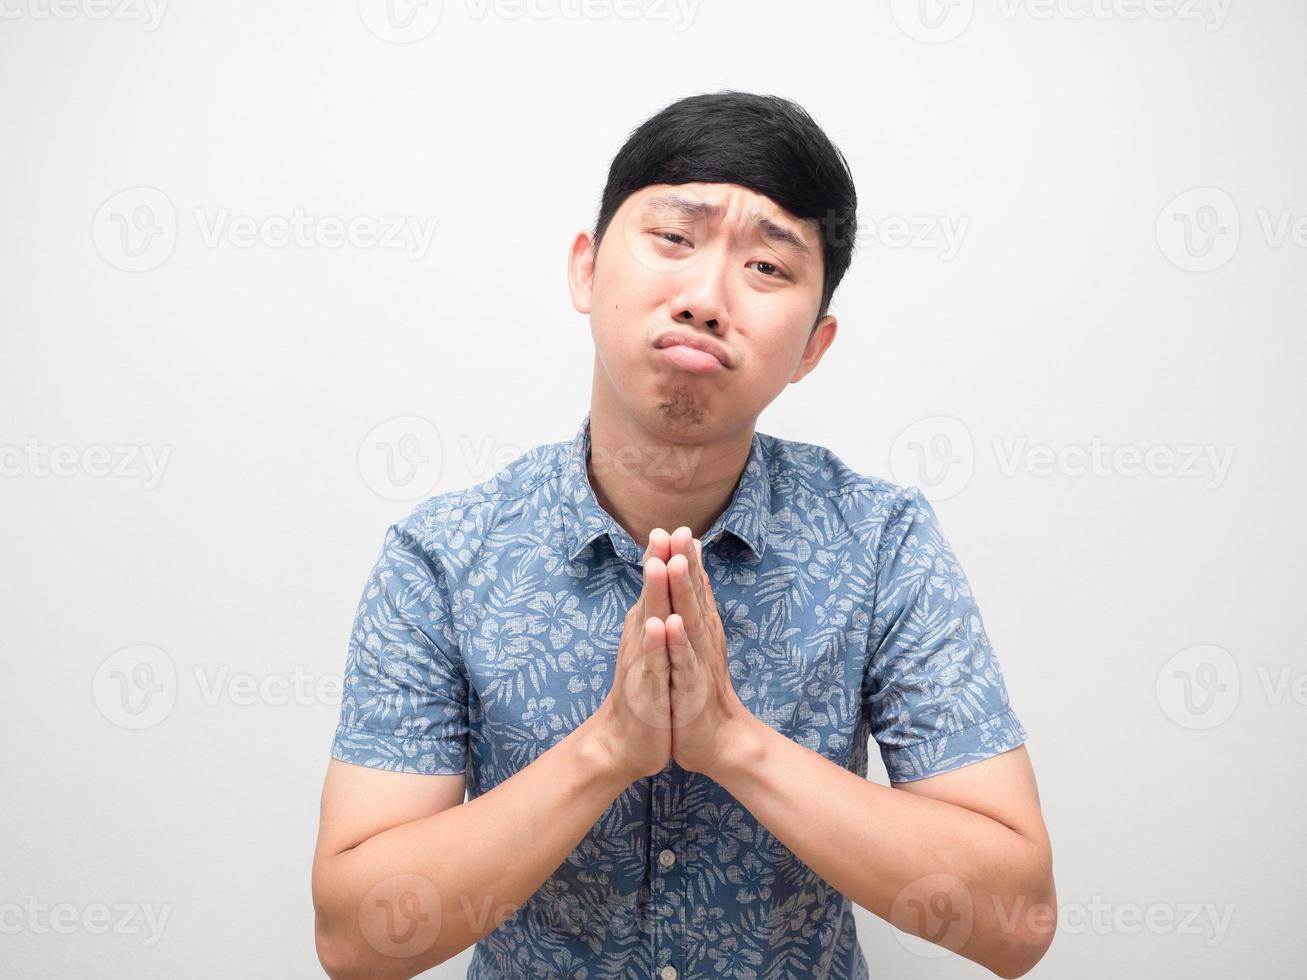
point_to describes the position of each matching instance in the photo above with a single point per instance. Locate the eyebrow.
(690, 208)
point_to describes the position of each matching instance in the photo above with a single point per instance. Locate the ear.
(819, 340)
(580, 270)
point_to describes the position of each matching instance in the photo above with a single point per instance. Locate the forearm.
(876, 844)
(483, 858)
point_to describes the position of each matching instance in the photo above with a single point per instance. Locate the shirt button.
(668, 972)
(667, 859)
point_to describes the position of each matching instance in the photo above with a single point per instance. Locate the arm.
(961, 858)
(405, 877)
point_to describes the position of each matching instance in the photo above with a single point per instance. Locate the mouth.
(692, 353)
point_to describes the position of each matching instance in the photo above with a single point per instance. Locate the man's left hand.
(708, 718)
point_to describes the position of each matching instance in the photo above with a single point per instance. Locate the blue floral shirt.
(487, 632)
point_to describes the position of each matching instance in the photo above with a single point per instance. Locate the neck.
(662, 474)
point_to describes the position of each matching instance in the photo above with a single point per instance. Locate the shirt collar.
(746, 516)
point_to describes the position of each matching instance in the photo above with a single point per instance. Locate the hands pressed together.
(672, 696)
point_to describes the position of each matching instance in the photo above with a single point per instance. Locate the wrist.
(596, 747)
(744, 748)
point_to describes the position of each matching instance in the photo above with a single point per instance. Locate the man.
(653, 655)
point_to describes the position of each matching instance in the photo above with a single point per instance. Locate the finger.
(698, 574)
(654, 595)
(658, 671)
(685, 543)
(647, 687)
(684, 598)
(659, 544)
(680, 541)
(689, 690)
(656, 665)
(680, 652)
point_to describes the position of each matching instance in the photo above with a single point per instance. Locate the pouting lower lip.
(692, 359)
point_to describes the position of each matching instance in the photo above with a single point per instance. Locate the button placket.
(667, 826)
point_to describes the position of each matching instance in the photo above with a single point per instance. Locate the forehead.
(733, 202)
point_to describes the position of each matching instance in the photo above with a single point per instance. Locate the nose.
(703, 299)
(687, 316)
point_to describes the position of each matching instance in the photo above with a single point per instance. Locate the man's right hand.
(635, 722)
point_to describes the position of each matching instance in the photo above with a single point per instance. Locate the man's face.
(716, 264)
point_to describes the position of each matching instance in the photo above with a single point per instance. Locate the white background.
(1063, 140)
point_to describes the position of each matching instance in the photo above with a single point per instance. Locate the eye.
(671, 237)
(775, 274)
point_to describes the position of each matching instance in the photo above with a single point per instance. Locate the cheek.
(621, 302)
(773, 357)
(616, 284)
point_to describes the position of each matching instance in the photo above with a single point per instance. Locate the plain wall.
(1075, 318)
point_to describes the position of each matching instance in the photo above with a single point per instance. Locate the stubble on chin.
(682, 407)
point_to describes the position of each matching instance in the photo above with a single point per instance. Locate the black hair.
(763, 142)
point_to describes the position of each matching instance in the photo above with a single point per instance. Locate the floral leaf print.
(487, 630)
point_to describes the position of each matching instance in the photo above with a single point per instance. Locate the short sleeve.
(933, 689)
(404, 693)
